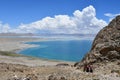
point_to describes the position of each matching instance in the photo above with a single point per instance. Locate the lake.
(65, 50)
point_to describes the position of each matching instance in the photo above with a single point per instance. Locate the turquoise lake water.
(66, 50)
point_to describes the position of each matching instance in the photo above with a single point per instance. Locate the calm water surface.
(67, 50)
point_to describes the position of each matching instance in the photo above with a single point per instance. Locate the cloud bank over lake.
(81, 22)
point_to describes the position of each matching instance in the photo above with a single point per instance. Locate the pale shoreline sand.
(16, 44)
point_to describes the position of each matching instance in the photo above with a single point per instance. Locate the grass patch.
(12, 54)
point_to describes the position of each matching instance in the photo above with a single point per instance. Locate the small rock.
(55, 77)
(31, 77)
(63, 64)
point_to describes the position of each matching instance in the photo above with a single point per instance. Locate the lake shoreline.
(17, 44)
(61, 50)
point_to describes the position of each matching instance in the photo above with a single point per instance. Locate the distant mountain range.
(32, 34)
(16, 34)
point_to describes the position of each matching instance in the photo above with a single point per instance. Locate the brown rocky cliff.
(106, 45)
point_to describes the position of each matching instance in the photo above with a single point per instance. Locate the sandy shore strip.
(29, 61)
(15, 44)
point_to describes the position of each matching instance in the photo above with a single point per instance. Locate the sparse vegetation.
(13, 54)
(7, 53)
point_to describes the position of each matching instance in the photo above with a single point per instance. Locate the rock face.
(106, 46)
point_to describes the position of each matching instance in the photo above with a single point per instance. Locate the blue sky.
(14, 13)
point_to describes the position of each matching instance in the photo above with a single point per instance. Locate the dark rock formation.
(106, 45)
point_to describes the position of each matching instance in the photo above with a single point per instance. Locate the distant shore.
(15, 44)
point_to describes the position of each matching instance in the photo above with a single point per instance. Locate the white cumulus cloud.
(111, 16)
(4, 28)
(81, 22)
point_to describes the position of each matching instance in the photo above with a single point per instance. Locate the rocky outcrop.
(55, 77)
(106, 45)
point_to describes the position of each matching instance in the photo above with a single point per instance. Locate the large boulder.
(106, 45)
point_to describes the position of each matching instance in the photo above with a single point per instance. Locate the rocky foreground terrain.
(104, 56)
(21, 72)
